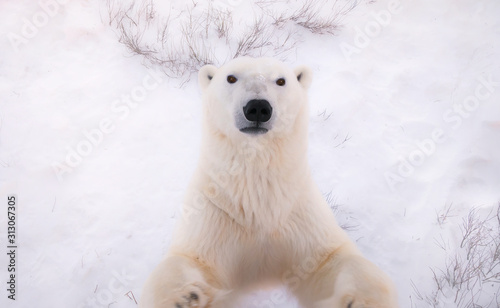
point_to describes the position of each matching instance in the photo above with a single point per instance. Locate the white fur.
(252, 215)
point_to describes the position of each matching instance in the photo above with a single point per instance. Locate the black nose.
(258, 110)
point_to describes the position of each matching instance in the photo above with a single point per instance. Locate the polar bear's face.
(253, 96)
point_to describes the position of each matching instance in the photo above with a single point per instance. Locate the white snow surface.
(91, 236)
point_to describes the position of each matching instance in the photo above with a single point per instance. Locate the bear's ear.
(205, 75)
(304, 76)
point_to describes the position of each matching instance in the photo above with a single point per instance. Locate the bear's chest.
(263, 258)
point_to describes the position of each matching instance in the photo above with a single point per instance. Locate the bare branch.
(474, 264)
(184, 39)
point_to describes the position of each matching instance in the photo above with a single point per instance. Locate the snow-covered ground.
(404, 125)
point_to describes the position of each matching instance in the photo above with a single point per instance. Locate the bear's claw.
(191, 295)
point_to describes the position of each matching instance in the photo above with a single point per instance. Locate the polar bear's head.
(250, 97)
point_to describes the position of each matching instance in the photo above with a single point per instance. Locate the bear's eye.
(280, 82)
(231, 79)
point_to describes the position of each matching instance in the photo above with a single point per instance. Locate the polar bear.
(252, 216)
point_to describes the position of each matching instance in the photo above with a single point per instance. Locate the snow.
(90, 236)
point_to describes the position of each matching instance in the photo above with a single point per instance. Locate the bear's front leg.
(179, 282)
(347, 281)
